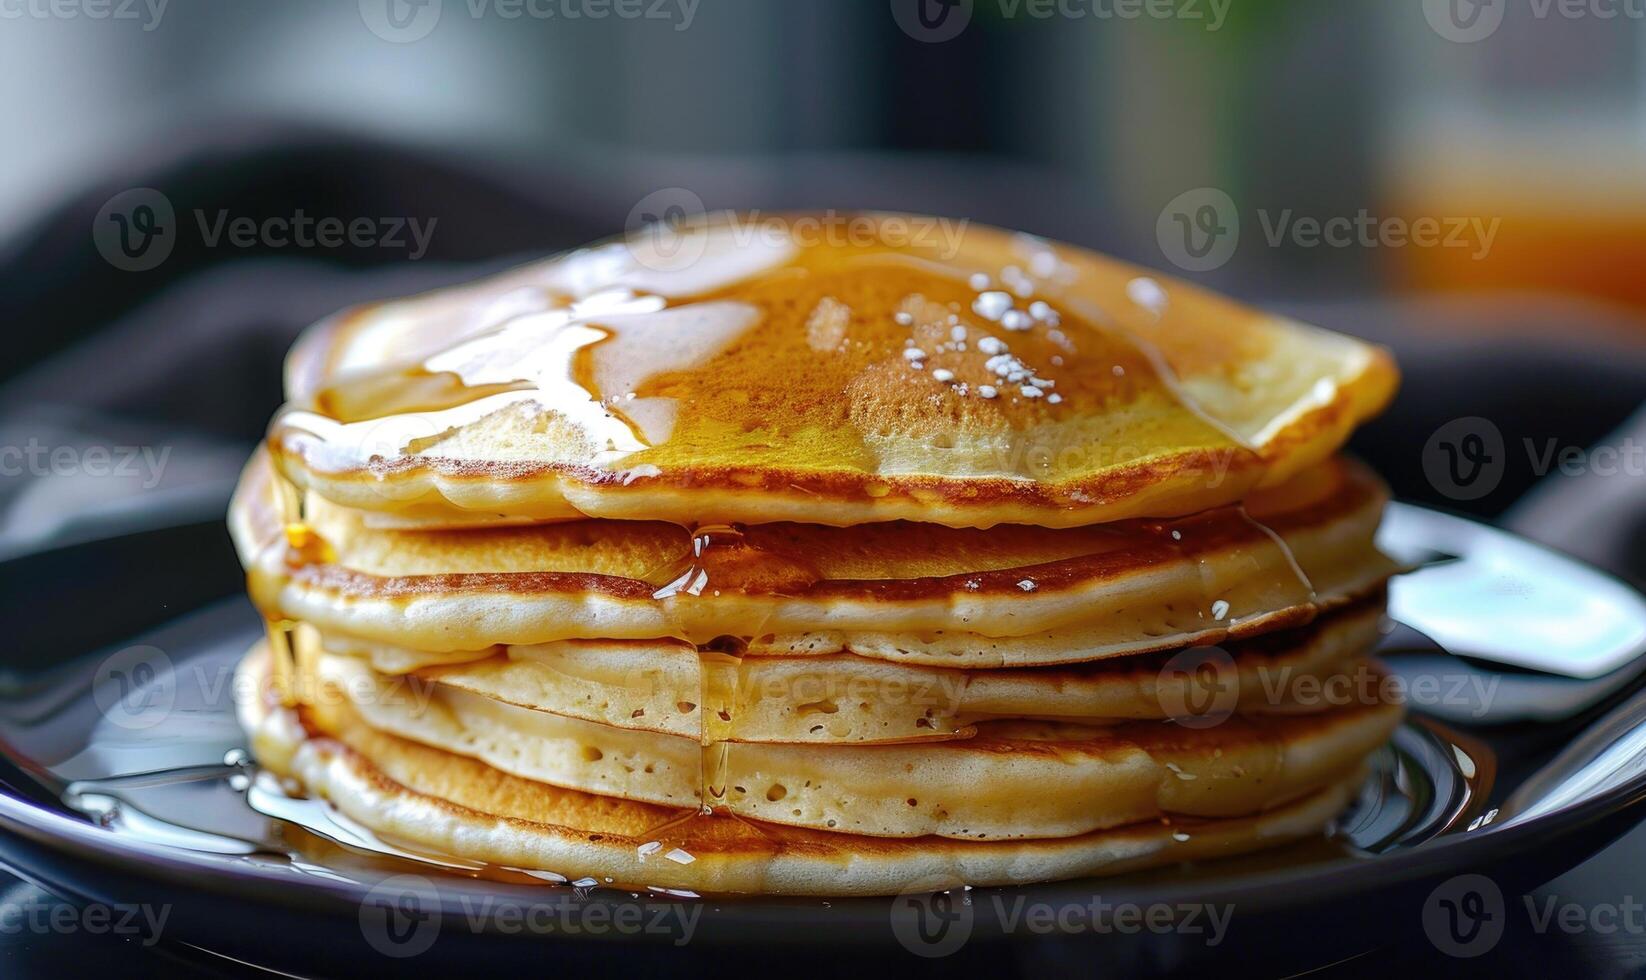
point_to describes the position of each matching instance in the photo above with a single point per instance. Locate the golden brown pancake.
(1000, 779)
(1010, 595)
(757, 378)
(449, 804)
(665, 687)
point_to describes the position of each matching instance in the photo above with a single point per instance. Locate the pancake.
(757, 377)
(1006, 779)
(659, 687)
(449, 804)
(1011, 595)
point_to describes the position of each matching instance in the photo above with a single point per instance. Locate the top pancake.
(736, 371)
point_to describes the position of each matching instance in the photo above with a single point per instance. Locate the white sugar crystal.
(1147, 293)
(992, 305)
(1021, 284)
(1016, 320)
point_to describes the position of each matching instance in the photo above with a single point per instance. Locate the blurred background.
(1464, 180)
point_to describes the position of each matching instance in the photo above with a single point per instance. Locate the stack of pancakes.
(756, 557)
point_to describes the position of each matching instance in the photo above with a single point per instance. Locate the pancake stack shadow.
(756, 558)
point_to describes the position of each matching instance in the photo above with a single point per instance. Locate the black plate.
(74, 610)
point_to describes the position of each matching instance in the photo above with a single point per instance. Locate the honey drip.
(720, 565)
(279, 630)
(283, 672)
(1265, 577)
(293, 650)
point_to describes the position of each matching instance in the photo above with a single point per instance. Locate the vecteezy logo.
(1199, 230)
(135, 230)
(1199, 687)
(136, 688)
(400, 21)
(932, 21)
(1464, 916)
(932, 917)
(400, 916)
(1465, 21)
(1465, 458)
(666, 230)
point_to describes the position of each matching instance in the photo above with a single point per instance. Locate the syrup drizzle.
(722, 562)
